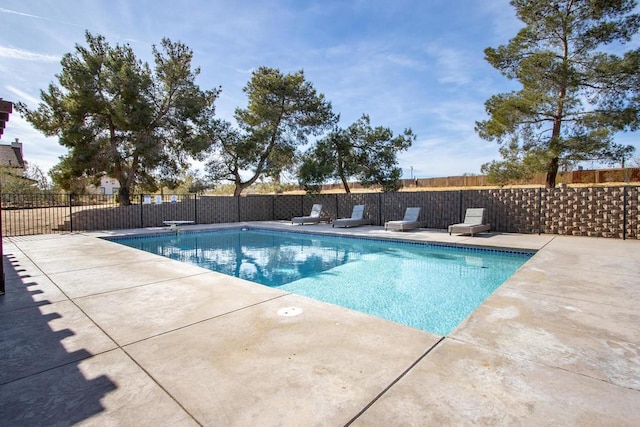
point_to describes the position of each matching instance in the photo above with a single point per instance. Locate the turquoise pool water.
(424, 286)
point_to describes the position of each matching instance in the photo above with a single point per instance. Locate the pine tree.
(575, 93)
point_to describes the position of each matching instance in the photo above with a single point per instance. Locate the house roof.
(11, 155)
(6, 108)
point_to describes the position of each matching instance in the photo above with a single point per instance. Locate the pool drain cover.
(289, 311)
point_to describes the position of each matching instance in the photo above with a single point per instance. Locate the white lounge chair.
(409, 222)
(474, 222)
(313, 218)
(357, 218)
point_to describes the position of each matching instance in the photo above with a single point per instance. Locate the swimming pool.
(424, 286)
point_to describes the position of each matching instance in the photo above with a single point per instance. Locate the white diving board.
(174, 224)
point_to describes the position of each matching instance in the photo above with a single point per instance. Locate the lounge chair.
(409, 222)
(474, 222)
(357, 218)
(313, 218)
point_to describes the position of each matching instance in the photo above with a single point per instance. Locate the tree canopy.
(575, 95)
(282, 111)
(120, 118)
(360, 151)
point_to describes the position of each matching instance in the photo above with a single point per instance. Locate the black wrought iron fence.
(26, 214)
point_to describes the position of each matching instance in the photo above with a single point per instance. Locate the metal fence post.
(71, 212)
(195, 208)
(624, 213)
(141, 213)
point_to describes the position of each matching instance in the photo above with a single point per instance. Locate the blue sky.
(407, 63)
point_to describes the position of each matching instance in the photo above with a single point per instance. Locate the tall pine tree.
(119, 118)
(360, 151)
(283, 110)
(576, 93)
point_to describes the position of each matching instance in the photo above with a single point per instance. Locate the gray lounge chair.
(474, 222)
(357, 218)
(313, 218)
(409, 222)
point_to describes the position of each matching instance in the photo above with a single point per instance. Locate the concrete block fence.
(585, 211)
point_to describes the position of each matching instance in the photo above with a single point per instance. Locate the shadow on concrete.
(41, 382)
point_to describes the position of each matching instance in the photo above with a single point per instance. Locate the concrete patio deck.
(95, 333)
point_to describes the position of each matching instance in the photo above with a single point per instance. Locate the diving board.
(174, 224)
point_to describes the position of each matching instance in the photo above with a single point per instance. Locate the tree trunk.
(124, 195)
(345, 184)
(239, 185)
(552, 172)
(341, 174)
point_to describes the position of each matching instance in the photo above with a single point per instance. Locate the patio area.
(96, 333)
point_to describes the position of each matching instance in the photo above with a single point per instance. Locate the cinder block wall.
(591, 211)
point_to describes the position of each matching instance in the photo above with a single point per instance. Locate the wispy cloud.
(504, 24)
(59, 22)
(31, 100)
(14, 12)
(453, 66)
(29, 15)
(456, 115)
(13, 53)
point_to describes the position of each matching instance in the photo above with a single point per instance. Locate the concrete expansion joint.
(406, 371)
